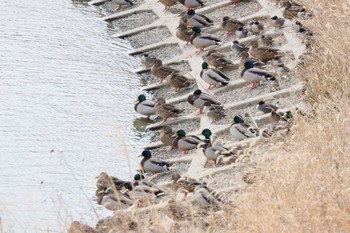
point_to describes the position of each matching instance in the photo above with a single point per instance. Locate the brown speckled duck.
(166, 110)
(184, 185)
(179, 81)
(166, 137)
(264, 54)
(168, 3)
(218, 60)
(183, 32)
(230, 25)
(161, 71)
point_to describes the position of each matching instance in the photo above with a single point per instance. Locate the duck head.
(225, 18)
(146, 154)
(180, 133)
(254, 44)
(197, 92)
(204, 65)
(248, 64)
(206, 133)
(191, 12)
(196, 29)
(238, 119)
(141, 98)
(167, 129)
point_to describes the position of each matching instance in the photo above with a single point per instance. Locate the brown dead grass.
(303, 185)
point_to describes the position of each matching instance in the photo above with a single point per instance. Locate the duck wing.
(222, 75)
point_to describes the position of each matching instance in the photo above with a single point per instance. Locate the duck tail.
(130, 2)
(224, 83)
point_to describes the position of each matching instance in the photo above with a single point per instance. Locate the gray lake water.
(66, 112)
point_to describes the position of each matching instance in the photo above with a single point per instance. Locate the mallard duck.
(255, 75)
(185, 143)
(230, 25)
(198, 100)
(277, 22)
(241, 33)
(257, 27)
(183, 32)
(238, 48)
(113, 200)
(218, 60)
(240, 130)
(119, 3)
(264, 54)
(265, 107)
(191, 3)
(166, 110)
(201, 41)
(184, 185)
(205, 198)
(179, 81)
(280, 68)
(105, 181)
(192, 19)
(148, 59)
(266, 40)
(168, 3)
(161, 71)
(141, 190)
(213, 111)
(144, 107)
(291, 9)
(212, 152)
(153, 165)
(213, 76)
(166, 136)
(244, 57)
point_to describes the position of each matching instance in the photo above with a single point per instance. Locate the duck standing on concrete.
(168, 3)
(213, 77)
(255, 75)
(291, 9)
(212, 152)
(166, 110)
(257, 27)
(198, 99)
(240, 130)
(244, 57)
(113, 200)
(205, 198)
(201, 41)
(185, 143)
(179, 81)
(184, 33)
(192, 19)
(161, 71)
(238, 48)
(264, 54)
(218, 60)
(213, 111)
(192, 3)
(230, 25)
(153, 165)
(105, 181)
(184, 185)
(166, 137)
(241, 33)
(119, 3)
(148, 59)
(277, 23)
(144, 107)
(265, 107)
(266, 40)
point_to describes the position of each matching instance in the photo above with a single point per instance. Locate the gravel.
(134, 20)
(243, 9)
(109, 7)
(165, 52)
(148, 37)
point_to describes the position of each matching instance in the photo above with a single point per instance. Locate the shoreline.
(235, 97)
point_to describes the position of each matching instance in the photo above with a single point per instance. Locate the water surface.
(66, 98)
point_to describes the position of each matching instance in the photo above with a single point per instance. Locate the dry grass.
(303, 185)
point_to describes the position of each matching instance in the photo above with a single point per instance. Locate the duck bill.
(174, 135)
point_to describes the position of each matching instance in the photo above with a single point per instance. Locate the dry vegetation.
(303, 184)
